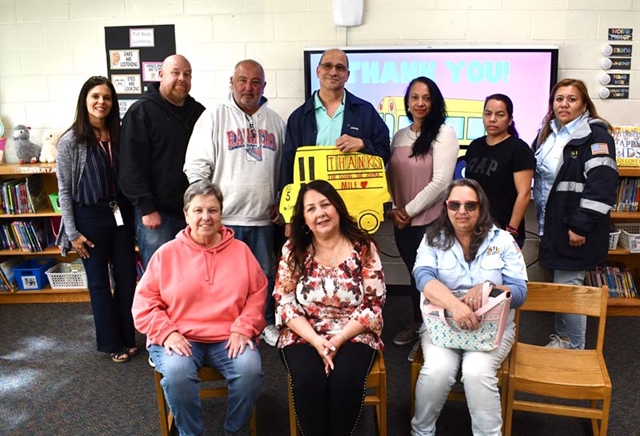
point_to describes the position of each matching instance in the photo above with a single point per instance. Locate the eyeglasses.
(340, 69)
(469, 206)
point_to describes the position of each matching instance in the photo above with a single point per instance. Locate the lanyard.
(107, 150)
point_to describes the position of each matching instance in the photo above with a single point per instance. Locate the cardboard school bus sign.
(359, 178)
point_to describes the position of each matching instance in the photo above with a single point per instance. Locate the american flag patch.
(599, 148)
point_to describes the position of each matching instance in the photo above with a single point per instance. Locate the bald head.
(248, 63)
(175, 79)
(335, 53)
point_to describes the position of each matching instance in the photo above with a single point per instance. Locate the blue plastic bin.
(30, 275)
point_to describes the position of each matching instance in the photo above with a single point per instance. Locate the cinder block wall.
(49, 48)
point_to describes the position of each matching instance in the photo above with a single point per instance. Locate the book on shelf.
(23, 195)
(616, 276)
(628, 196)
(7, 277)
(35, 195)
(32, 235)
(627, 141)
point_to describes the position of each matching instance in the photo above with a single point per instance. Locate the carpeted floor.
(52, 382)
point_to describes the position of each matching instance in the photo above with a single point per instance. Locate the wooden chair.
(562, 373)
(206, 374)
(377, 380)
(457, 392)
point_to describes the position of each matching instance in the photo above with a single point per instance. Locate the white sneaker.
(414, 350)
(558, 342)
(270, 335)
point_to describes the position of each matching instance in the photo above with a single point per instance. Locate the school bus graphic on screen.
(359, 178)
(465, 116)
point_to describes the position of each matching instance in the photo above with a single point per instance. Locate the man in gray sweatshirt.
(238, 146)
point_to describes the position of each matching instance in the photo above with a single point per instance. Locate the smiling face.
(99, 104)
(320, 214)
(333, 70)
(248, 86)
(568, 104)
(462, 220)
(496, 118)
(204, 217)
(175, 79)
(419, 102)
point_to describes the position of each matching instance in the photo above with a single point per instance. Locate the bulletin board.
(134, 57)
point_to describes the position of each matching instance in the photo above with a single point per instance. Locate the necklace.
(413, 135)
(334, 253)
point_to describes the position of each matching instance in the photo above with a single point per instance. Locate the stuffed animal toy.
(26, 150)
(49, 150)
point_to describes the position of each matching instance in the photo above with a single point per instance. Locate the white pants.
(479, 369)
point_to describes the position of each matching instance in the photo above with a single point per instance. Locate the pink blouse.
(329, 297)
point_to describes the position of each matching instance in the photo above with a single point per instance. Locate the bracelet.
(343, 337)
(511, 230)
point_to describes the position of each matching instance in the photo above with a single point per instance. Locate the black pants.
(328, 406)
(113, 245)
(408, 240)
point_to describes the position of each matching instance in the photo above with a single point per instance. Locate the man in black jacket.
(155, 133)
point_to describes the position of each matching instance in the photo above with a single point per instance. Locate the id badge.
(116, 214)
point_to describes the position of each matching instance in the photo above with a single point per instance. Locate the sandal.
(133, 351)
(120, 356)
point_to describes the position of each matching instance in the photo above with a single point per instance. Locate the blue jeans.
(149, 240)
(113, 246)
(260, 241)
(180, 384)
(567, 324)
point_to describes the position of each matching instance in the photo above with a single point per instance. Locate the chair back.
(574, 299)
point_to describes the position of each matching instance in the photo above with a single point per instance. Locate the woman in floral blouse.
(329, 296)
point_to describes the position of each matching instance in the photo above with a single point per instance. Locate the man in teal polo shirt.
(334, 116)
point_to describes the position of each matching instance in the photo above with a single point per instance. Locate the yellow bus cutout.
(359, 178)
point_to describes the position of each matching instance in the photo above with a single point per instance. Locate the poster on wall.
(151, 71)
(124, 59)
(134, 57)
(125, 104)
(126, 83)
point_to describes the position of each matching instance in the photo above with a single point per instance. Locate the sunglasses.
(469, 206)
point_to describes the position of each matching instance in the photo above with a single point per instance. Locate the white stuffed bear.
(49, 150)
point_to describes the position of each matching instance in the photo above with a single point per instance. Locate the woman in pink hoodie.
(201, 302)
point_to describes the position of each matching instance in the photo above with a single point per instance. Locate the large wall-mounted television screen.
(464, 74)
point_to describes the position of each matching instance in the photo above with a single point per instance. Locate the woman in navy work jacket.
(576, 178)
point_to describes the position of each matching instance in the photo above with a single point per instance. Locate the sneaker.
(270, 335)
(151, 364)
(414, 350)
(406, 336)
(558, 342)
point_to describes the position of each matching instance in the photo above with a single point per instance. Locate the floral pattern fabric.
(329, 297)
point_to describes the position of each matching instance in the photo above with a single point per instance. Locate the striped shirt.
(97, 179)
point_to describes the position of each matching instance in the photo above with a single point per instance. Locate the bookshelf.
(46, 295)
(626, 306)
